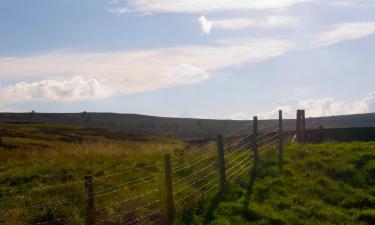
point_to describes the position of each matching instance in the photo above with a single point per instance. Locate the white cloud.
(314, 108)
(206, 25)
(199, 6)
(242, 23)
(343, 32)
(131, 72)
(73, 89)
(185, 73)
(324, 107)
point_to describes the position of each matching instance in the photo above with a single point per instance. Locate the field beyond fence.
(147, 180)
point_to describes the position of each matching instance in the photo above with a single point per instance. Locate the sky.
(216, 59)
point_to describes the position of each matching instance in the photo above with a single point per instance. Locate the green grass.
(43, 163)
(332, 183)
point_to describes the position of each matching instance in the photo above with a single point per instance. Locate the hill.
(180, 127)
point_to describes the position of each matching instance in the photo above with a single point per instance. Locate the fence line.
(199, 175)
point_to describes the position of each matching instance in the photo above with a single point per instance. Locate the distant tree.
(199, 122)
(88, 119)
(152, 126)
(176, 126)
(84, 113)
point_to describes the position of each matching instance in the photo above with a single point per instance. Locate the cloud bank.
(131, 72)
(314, 108)
(73, 89)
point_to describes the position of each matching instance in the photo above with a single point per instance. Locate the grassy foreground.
(42, 168)
(43, 165)
(332, 183)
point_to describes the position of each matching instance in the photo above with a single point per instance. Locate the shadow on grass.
(213, 205)
(249, 191)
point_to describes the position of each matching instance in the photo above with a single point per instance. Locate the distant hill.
(180, 127)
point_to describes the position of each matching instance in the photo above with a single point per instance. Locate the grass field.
(43, 165)
(332, 183)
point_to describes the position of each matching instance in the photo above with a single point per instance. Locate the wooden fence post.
(281, 141)
(303, 126)
(220, 148)
(90, 205)
(255, 143)
(299, 126)
(168, 190)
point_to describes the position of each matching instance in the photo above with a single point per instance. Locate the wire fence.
(147, 194)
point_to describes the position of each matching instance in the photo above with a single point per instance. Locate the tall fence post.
(90, 206)
(220, 148)
(281, 141)
(303, 126)
(255, 143)
(168, 190)
(298, 126)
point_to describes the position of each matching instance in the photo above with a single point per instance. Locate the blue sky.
(186, 58)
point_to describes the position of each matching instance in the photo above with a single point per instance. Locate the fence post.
(220, 148)
(298, 126)
(168, 190)
(281, 144)
(255, 143)
(303, 126)
(90, 206)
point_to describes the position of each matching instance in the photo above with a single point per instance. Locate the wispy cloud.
(343, 32)
(136, 71)
(276, 21)
(199, 6)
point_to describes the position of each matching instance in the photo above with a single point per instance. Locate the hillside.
(322, 184)
(180, 127)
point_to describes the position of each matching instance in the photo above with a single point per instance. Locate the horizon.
(188, 59)
(260, 117)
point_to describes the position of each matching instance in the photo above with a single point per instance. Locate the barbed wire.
(128, 185)
(193, 174)
(206, 157)
(239, 170)
(238, 163)
(128, 170)
(195, 182)
(122, 202)
(198, 190)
